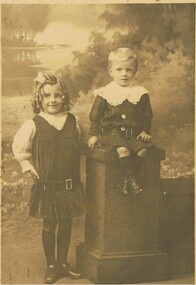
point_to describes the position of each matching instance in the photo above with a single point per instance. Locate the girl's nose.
(52, 98)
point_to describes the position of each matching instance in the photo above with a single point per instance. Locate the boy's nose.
(123, 72)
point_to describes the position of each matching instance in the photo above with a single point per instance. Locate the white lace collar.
(57, 120)
(115, 94)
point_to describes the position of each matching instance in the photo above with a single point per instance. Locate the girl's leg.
(63, 242)
(126, 164)
(63, 239)
(48, 240)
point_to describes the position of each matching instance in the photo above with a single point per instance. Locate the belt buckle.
(68, 184)
(127, 133)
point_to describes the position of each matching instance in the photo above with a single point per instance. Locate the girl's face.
(52, 102)
(123, 72)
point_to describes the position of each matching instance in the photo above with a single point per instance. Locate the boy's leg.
(63, 242)
(140, 157)
(48, 240)
(126, 164)
(142, 152)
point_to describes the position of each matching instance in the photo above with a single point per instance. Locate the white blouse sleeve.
(79, 129)
(22, 144)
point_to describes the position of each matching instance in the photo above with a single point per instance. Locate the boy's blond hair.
(122, 54)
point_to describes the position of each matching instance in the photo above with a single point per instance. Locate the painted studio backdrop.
(74, 41)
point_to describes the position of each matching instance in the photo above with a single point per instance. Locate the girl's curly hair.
(39, 82)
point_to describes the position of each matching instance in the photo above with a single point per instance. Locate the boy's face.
(52, 101)
(122, 72)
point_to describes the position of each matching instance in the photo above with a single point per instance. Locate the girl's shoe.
(67, 271)
(51, 274)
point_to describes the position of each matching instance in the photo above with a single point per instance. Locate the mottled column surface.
(121, 232)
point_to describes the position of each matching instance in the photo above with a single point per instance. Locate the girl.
(121, 115)
(47, 147)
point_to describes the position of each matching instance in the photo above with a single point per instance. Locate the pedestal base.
(123, 267)
(180, 260)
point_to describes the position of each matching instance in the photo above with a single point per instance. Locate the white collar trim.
(57, 121)
(115, 94)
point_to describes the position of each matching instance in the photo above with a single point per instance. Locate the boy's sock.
(126, 164)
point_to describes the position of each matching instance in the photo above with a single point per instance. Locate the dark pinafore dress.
(55, 157)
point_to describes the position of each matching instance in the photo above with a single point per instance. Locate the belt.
(55, 185)
(122, 131)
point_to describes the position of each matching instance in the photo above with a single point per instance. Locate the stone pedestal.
(121, 232)
(176, 218)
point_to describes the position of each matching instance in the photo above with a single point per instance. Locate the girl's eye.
(46, 95)
(119, 69)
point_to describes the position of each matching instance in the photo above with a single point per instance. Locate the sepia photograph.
(98, 128)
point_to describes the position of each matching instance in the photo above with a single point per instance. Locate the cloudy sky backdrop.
(71, 24)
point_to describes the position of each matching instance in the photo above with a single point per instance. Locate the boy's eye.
(58, 95)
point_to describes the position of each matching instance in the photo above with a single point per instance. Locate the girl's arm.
(22, 145)
(79, 130)
(96, 114)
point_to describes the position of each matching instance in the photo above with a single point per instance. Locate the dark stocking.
(48, 240)
(63, 240)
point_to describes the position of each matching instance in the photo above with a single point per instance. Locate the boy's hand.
(144, 137)
(34, 173)
(92, 142)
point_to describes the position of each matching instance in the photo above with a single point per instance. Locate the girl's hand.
(144, 137)
(92, 142)
(34, 173)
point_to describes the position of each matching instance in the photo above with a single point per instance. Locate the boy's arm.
(147, 114)
(22, 145)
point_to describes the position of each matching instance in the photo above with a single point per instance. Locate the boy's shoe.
(134, 186)
(130, 184)
(125, 187)
(51, 274)
(67, 271)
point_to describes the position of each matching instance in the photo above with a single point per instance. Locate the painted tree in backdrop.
(20, 23)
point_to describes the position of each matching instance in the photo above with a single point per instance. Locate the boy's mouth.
(124, 78)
